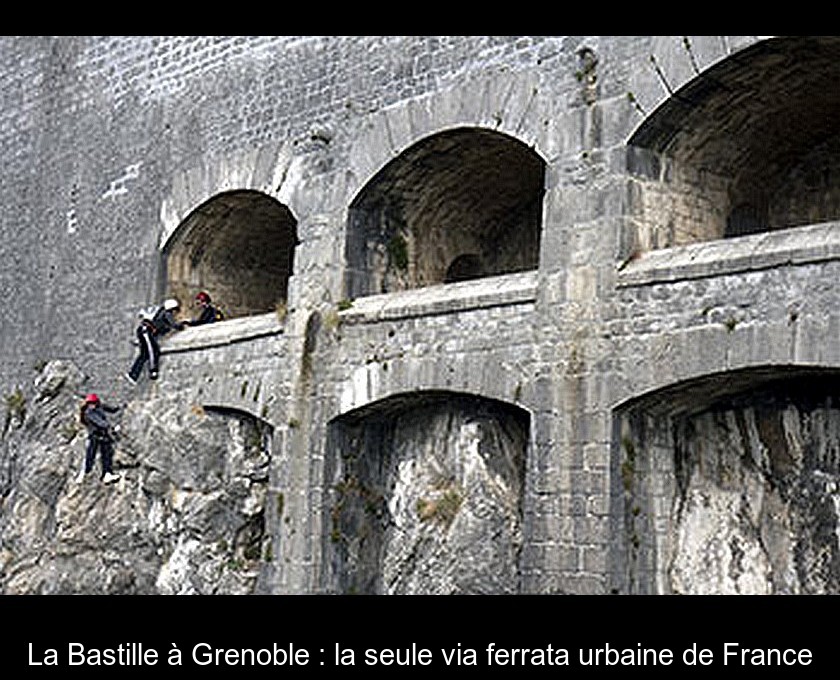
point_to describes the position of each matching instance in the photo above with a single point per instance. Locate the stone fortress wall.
(522, 314)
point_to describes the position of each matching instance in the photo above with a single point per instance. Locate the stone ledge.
(495, 291)
(222, 333)
(794, 246)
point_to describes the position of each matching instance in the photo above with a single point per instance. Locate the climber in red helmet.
(207, 314)
(101, 436)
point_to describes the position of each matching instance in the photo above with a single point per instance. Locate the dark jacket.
(163, 322)
(94, 418)
(208, 315)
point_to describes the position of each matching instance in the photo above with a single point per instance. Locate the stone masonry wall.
(95, 132)
(109, 145)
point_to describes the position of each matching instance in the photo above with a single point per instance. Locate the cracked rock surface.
(186, 516)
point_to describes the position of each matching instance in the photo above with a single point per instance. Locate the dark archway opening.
(463, 268)
(465, 193)
(239, 246)
(750, 145)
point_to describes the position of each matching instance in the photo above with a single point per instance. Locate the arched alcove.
(730, 484)
(239, 246)
(424, 496)
(463, 268)
(749, 145)
(462, 192)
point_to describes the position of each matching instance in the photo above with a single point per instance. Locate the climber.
(208, 313)
(101, 436)
(153, 324)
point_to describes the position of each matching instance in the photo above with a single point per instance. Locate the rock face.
(427, 497)
(187, 515)
(754, 502)
(759, 512)
(428, 500)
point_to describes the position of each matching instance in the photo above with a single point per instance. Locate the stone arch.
(235, 408)
(425, 495)
(238, 245)
(748, 145)
(463, 268)
(730, 483)
(461, 192)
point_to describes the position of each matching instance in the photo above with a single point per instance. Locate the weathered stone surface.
(187, 515)
(429, 501)
(754, 504)
(644, 223)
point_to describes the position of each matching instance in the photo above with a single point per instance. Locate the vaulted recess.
(730, 484)
(239, 246)
(748, 146)
(425, 496)
(458, 205)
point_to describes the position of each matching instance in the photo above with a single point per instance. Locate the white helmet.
(171, 304)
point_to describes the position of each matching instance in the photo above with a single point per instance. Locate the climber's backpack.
(149, 313)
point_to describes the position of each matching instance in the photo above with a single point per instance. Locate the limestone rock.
(185, 517)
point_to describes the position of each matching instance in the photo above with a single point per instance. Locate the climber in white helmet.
(154, 323)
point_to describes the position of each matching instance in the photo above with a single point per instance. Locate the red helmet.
(91, 399)
(203, 297)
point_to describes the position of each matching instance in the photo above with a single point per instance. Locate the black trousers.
(149, 352)
(105, 448)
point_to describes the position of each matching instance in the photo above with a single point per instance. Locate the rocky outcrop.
(740, 497)
(428, 500)
(759, 512)
(186, 516)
